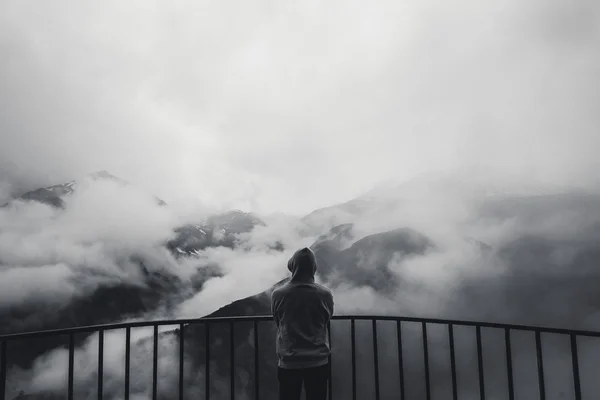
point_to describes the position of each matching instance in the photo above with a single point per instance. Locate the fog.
(290, 106)
(44, 251)
(50, 256)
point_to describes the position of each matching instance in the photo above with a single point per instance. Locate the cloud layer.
(286, 106)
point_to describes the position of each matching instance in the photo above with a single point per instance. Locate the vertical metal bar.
(353, 339)
(3, 368)
(155, 364)
(452, 361)
(540, 364)
(376, 359)
(127, 360)
(511, 388)
(575, 360)
(400, 357)
(71, 365)
(426, 360)
(207, 360)
(330, 380)
(232, 360)
(100, 363)
(256, 374)
(480, 363)
(181, 359)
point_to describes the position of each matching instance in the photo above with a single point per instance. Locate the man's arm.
(273, 311)
(329, 303)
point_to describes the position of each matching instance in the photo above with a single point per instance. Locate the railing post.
(575, 361)
(256, 373)
(3, 367)
(426, 360)
(376, 358)
(480, 362)
(207, 360)
(400, 357)
(353, 340)
(127, 359)
(71, 365)
(509, 370)
(155, 363)
(181, 359)
(540, 364)
(72, 332)
(100, 363)
(232, 360)
(330, 380)
(452, 361)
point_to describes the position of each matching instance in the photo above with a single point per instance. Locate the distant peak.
(105, 175)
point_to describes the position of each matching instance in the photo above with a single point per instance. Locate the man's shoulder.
(277, 291)
(323, 289)
(280, 291)
(291, 287)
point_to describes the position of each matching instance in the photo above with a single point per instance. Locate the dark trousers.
(314, 380)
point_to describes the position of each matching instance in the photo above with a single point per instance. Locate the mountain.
(52, 195)
(216, 230)
(55, 195)
(483, 196)
(347, 266)
(325, 218)
(536, 208)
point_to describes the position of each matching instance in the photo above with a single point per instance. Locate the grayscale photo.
(286, 200)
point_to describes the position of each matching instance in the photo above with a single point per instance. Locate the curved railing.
(450, 325)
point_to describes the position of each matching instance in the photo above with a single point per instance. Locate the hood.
(303, 265)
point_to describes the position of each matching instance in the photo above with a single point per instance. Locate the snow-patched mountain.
(216, 230)
(55, 195)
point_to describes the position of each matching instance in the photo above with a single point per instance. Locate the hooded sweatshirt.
(302, 310)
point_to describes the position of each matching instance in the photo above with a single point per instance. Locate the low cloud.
(247, 270)
(50, 255)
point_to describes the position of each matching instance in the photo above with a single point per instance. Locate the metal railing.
(424, 323)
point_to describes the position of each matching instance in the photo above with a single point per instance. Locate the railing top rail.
(187, 321)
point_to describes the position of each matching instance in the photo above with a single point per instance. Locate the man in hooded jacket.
(302, 310)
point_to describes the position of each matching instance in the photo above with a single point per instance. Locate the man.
(302, 310)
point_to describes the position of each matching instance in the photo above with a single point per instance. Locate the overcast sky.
(288, 105)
